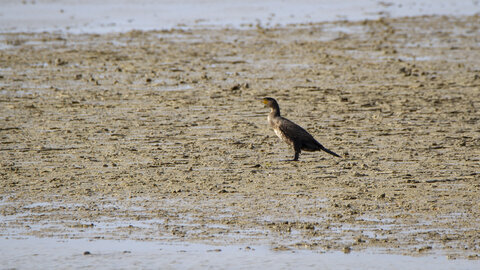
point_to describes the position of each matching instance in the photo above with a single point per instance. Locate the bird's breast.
(275, 125)
(279, 133)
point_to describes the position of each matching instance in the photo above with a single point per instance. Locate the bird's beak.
(265, 101)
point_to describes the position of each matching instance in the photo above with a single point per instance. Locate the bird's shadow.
(289, 161)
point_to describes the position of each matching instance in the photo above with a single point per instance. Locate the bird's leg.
(297, 153)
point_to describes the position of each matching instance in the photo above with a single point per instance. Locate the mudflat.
(162, 136)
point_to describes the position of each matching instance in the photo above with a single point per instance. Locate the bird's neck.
(275, 111)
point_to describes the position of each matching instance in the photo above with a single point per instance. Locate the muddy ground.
(161, 136)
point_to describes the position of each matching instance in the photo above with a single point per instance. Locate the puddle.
(175, 88)
(18, 93)
(35, 253)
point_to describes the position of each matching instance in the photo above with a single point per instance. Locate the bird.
(291, 133)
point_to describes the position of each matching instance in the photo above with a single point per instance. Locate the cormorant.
(291, 133)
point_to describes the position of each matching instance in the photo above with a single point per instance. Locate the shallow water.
(50, 253)
(114, 16)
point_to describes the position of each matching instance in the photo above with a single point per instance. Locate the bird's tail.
(330, 152)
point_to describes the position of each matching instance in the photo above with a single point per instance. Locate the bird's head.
(270, 102)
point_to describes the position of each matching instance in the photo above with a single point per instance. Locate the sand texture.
(162, 136)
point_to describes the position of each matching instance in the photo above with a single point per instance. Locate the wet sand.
(161, 136)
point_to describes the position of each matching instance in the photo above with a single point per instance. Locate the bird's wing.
(294, 131)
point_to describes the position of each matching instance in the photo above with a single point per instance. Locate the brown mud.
(161, 136)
